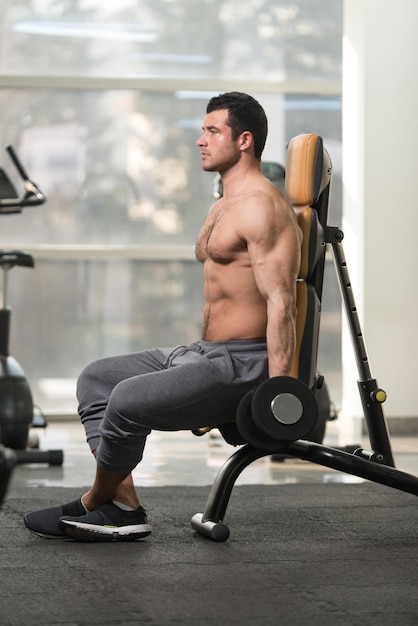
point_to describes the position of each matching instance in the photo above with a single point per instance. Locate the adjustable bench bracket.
(370, 394)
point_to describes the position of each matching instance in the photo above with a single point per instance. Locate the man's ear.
(246, 140)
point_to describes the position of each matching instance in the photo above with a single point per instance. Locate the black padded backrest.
(308, 179)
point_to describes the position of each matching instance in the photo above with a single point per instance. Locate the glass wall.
(173, 39)
(104, 105)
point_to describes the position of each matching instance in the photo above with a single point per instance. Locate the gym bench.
(277, 417)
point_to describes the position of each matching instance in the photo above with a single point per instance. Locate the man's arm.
(274, 244)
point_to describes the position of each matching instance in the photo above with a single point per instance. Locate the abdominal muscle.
(234, 307)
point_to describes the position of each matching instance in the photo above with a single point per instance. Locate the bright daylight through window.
(104, 103)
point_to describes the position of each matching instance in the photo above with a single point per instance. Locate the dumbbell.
(280, 409)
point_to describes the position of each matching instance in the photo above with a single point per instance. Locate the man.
(249, 246)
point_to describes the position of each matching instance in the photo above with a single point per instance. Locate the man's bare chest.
(219, 238)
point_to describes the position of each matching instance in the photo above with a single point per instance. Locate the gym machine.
(17, 414)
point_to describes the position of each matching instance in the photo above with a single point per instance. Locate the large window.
(267, 40)
(104, 105)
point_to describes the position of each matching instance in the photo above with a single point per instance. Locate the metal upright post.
(371, 395)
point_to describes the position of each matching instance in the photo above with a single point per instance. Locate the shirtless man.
(249, 246)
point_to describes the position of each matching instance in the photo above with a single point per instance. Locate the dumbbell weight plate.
(284, 408)
(248, 430)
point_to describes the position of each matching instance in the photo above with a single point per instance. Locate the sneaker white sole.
(92, 532)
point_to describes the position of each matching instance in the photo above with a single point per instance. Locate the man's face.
(218, 150)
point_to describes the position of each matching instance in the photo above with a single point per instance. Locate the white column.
(380, 198)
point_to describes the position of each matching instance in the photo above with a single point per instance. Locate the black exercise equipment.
(7, 462)
(16, 405)
(279, 409)
(308, 182)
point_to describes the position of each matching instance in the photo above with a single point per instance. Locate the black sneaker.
(107, 523)
(44, 523)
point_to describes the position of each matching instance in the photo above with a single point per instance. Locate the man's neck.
(238, 178)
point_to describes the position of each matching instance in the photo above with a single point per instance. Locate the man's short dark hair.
(244, 113)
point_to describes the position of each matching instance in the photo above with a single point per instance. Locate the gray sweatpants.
(122, 398)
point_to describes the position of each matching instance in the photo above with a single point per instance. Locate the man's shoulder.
(266, 197)
(266, 210)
